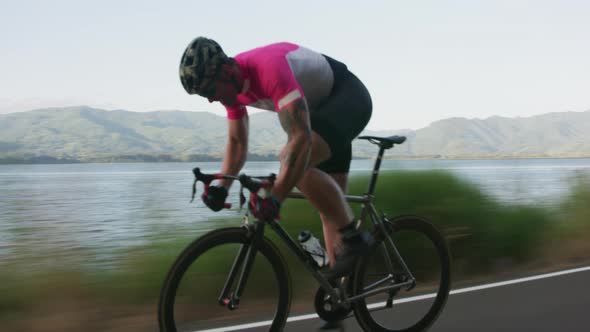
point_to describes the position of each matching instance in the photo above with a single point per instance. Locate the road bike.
(239, 273)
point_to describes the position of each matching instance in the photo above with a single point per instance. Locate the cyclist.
(321, 106)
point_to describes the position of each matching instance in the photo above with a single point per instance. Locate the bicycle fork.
(244, 262)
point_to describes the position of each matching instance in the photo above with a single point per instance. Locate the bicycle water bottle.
(313, 247)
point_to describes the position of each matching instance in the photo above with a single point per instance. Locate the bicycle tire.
(400, 224)
(238, 236)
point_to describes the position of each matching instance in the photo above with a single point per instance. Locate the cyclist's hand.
(265, 209)
(214, 197)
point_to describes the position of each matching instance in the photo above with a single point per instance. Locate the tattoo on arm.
(294, 120)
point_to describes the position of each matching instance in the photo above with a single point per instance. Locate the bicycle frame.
(256, 232)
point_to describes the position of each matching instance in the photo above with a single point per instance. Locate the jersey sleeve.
(282, 85)
(236, 112)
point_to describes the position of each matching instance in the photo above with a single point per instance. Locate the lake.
(47, 211)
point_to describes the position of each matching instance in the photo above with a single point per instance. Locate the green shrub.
(478, 228)
(574, 213)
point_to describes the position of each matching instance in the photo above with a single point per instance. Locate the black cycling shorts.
(341, 117)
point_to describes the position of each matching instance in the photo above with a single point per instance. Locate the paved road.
(558, 303)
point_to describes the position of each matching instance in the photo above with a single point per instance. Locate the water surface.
(97, 209)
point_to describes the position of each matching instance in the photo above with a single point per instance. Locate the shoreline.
(45, 160)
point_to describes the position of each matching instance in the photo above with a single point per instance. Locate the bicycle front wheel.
(416, 256)
(191, 300)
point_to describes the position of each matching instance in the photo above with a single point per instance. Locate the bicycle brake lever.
(242, 197)
(194, 190)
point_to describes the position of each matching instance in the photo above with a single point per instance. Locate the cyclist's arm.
(294, 157)
(236, 149)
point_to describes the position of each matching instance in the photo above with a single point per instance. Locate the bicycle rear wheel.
(189, 298)
(409, 309)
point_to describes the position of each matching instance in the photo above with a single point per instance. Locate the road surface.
(550, 302)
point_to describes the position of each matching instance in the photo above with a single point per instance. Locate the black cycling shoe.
(355, 244)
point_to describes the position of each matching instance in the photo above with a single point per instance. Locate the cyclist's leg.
(327, 197)
(342, 180)
(338, 120)
(336, 169)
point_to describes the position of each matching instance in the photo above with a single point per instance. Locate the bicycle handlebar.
(252, 183)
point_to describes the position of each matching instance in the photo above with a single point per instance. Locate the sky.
(422, 61)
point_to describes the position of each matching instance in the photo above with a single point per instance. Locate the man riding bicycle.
(321, 106)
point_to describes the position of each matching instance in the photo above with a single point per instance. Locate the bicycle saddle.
(385, 142)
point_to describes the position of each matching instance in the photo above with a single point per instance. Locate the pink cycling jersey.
(279, 74)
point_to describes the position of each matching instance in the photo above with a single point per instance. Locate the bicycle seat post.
(376, 168)
(384, 143)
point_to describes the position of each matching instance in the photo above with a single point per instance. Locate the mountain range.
(84, 134)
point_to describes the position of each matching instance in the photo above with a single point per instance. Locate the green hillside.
(87, 134)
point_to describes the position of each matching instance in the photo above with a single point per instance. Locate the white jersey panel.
(313, 73)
